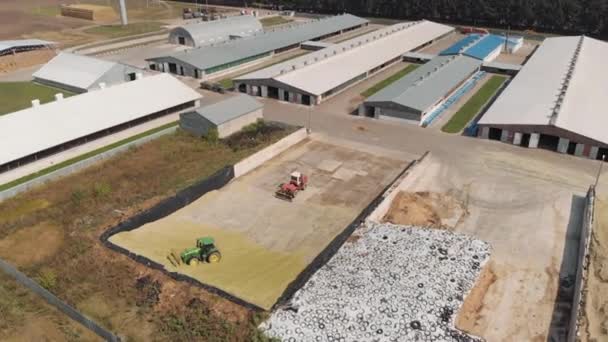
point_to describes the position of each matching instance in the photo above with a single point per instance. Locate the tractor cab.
(205, 251)
(296, 179)
(206, 242)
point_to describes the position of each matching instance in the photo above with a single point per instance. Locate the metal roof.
(419, 55)
(78, 71)
(229, 109)
(12, 44)
(532, 96)
(425, 86)
(213, 56)
(321, 71)
(211, 32)
(475, 45)
(35, 129)
(504, 66)
(482, 48)
(317, 44)
(461, 45)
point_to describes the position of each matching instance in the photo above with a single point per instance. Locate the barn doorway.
(243, 88)
(173, 68)
(286, 96)
(273, 93)
(495, 133)
(132, 76)
(548, 142)
(306, 100)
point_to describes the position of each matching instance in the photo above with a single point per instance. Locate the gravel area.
(389, 283)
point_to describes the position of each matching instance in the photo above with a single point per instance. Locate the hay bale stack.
(89, 12)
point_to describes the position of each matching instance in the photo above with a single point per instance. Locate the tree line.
(588, 17)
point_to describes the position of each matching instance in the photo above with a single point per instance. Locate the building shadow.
(558, 330)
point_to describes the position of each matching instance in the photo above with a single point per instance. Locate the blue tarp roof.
(460, 45)
(485, 46)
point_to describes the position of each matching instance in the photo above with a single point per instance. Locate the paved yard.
(531, 222)
(266, 242)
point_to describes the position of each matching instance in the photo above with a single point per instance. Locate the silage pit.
(393, 283)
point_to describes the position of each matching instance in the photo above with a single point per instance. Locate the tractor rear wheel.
(193, 262)
(214, 257)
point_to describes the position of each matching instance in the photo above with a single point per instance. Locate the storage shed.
(213, 32)
(80, 74)
(227, 117)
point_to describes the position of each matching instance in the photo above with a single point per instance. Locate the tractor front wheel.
(193, 262)
(214, 257)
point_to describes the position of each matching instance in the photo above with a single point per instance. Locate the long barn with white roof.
(43, 130)
(311, 78)
(557, 101)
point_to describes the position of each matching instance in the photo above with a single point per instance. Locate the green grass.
(388, 81)
(468, 111)
(15, 96)
(228, 83)
(82, 157)
(273, 21)
(117, 31)
(46, 11)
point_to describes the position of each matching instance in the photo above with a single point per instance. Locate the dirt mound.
(425, 209)
(25, 59)
(469, 313)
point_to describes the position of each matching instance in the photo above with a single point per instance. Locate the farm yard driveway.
(266, 242)
(533, 225)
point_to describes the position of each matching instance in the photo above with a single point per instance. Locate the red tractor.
(288, 191)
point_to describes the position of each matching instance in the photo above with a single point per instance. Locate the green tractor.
(205, 251)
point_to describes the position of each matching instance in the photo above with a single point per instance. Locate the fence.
(56, 302)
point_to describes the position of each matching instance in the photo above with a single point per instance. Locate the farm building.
(314, 77)
(557, 100)
(416, 96)
(227, 117)
(8, 47)
(213, 61)
(217, 31)
(43, 130)
(79, 74)
(485, 47)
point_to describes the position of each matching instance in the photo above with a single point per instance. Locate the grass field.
(388, 81)
(117, 31)
(468, 111)
(15, 96)
(273, 21)
(84, 156)
(71, 213)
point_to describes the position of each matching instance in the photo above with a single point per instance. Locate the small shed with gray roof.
(227, 117)
(213, 32)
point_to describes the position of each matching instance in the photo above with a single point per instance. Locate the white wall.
(269, 152)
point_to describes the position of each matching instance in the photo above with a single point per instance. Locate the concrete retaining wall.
(389, 195)
(259, 158)
(68, 170)
(583, 266)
